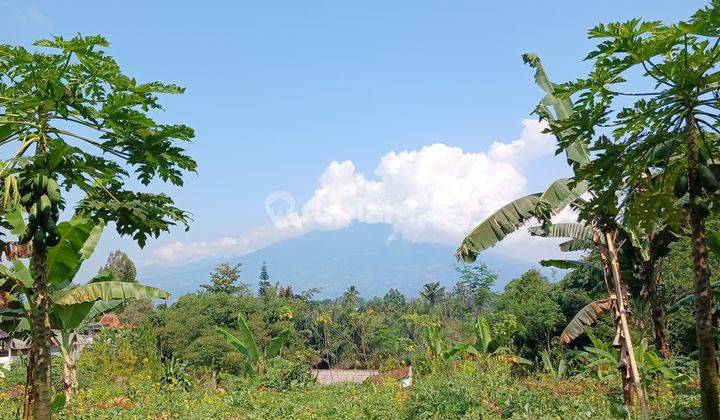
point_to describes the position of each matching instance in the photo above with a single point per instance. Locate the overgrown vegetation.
(616, 337)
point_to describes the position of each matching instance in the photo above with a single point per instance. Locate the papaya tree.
(651, 86)
(70, 117)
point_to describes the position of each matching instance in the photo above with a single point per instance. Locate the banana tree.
(70, 307)
(641, 259)
(552, 108)
(557, 373)
(256, 359)
(677, 66)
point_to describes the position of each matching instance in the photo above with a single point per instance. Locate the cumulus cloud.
(531, 145)
(432, 195)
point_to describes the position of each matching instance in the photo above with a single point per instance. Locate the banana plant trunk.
(701, 282)
(67, 346)
(69, 378)
(651, 279)
(618, 294)
(40, 379)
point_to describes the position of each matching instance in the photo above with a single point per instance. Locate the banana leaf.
(78, 238)
(496, 227)
(587, 316)
(596, 271)
(276, 344)
(576, 245)
(564, 230)
(577, 152)
(233, 341)
(108, 290)
(559, 194)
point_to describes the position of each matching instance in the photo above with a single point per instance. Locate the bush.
(117, 355)
(283, 375)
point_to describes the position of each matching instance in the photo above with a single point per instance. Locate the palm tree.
(351, 295)
(432, 293)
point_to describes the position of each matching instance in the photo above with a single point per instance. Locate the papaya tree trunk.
(651, 279)
(701, 282)
(41, 335)
(29, 384)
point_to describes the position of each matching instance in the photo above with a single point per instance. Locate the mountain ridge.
(369, 256)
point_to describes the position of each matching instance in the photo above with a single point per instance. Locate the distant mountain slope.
(362, 254)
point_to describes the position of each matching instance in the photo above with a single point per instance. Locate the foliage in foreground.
(489, 387)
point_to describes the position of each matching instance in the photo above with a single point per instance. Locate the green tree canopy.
(121, 266)
(528, 298)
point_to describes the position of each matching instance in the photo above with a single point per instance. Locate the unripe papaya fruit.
(39, 237)
(33, 214)
(681, 185)
(703, 156)
(45, 205)
(707, 179)
(38, 182)
(53, 191)
(49, 224)
(26, 199)
(53, 238)
(701, 206)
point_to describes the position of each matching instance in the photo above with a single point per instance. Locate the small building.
(11, 348)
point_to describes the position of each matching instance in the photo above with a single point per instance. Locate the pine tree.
(264, 285)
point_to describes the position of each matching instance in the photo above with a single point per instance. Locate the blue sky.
(278, 90)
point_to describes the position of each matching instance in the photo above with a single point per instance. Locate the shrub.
(283, 375)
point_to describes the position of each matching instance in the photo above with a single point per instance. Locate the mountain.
(370, 256)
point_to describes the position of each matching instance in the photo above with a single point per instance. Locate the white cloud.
(531, 145)
(178, 251)
(432, 195)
